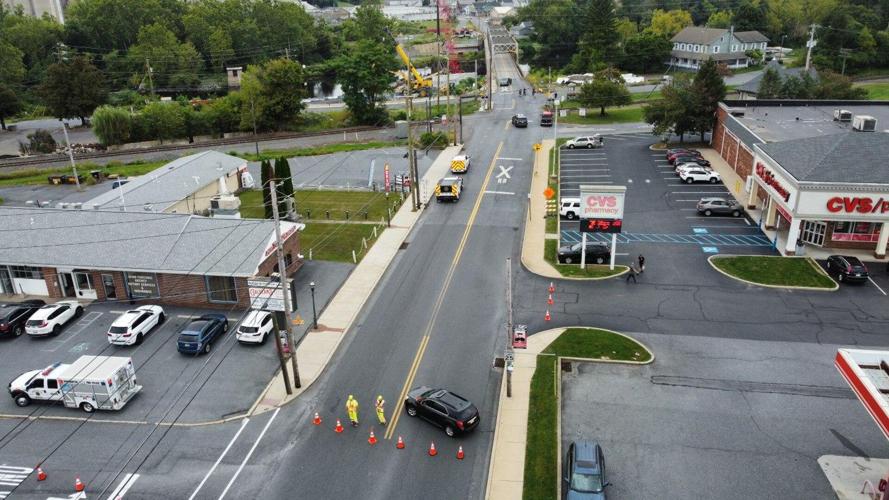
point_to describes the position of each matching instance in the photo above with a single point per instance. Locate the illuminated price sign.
(600, 225)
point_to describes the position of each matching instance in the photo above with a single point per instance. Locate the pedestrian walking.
(632, 274)
(381, 412)
(352, 408)
(533, 91)
(641, 263)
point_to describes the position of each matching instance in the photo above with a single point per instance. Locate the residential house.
(522, 30)
(750, 89)
(693, 45)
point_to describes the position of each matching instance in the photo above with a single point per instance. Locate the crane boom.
(419, 82)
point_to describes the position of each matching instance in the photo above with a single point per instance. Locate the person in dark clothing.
(632, 274)
(641, 263)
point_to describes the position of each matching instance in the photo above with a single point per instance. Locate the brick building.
(818, 170)
(175, 259)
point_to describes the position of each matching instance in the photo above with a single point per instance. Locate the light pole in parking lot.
(314, 313)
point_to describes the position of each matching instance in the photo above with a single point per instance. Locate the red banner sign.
(769, 179)
(386, 174)
(861, 205)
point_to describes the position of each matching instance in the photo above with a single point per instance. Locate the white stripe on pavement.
(249, 454)
(218, 460)
(123, 487)
(876, 285)
(510, 159)
(498, 192)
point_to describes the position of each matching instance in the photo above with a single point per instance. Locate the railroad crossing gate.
(867, 373)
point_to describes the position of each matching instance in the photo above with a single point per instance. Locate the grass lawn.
(540, 452)
(552, 222)
(325, 149)
(574, 271)
(312, 204)
(779, 271)
(876, 91)
(336, 241)
(646, 96)
(629, 114)
(34, 176)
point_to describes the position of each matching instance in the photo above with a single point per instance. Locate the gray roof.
(859, 157)
(751, 37)
(752, 86)
(703, 56)
(694, 34)
(783, 120)
(134, 241)
(171, 183)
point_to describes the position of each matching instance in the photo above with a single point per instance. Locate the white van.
(91, 383)
(569, 207)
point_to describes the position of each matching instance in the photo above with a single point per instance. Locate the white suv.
(49, 319)
(132, 326)
(588, 142)
(690, 166)
(255, 328)
(569, 207)
(699, 175)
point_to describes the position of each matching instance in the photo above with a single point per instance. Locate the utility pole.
(253, 115)
(448, 112)
(490, 69)
(437, 55)
(71, 156)
(810, 45)
(510, 353)
(150, 78)
(845, 53)
(282, 271)
(411, 160)
(280, 350)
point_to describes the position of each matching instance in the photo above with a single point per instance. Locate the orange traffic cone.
(550, 299)
(317, 419)
(547, 317)
(432, 451)
(552, 288)
(339, 426)
(372, 439)
(41, 476)
(78, 485)
(400, 443)
(460, 453)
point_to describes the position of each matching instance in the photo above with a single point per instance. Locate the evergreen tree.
(266, 175)
(284, 181)
(708, 90)
(770, 85)
(599, 39)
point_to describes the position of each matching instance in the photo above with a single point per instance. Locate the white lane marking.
(876, 285)
(184, 316)
(699, 192)
(116, 312)
(746, 221)
(74, 330)
(583, 176)
(123, 487)
(510, 159)
(498, 192)
(712, 217)
(249, 454)
(695, 201)
(218, 460)
(504, 172)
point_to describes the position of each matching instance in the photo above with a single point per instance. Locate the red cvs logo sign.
(602, 201)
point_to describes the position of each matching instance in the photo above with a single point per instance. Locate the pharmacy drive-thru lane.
(436, 318)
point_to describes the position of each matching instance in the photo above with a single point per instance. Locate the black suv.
(847, 268)
(519, 121)
(596, 252)
(197, 336)
(14, 315)
(443, 408)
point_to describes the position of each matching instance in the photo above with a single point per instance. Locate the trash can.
(800, 248)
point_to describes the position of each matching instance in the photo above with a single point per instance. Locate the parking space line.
(876, 285)
(249, 454)
(123, 487)
(83, 323)
(218, 460)
(698, 192)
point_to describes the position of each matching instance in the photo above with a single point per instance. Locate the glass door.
(83, 282)
(5, 282)
(813, 232)
(108, 283)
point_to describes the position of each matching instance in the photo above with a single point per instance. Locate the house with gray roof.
(694, 45)
(170, 258)
(750, 88)
(185, 185)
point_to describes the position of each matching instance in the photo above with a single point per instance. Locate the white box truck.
(91, 383)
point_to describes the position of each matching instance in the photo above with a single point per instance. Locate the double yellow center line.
(421, 349)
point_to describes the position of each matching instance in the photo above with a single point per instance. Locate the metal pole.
(613, 249)
(583, 250)
(408, 103)
(509, 350)
(282, 269)
(437, 55)
(314, 312)
(461, 119)
(556, 132)
(253, 115)
(71, 154)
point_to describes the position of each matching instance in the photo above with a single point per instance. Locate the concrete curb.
(505, 471)
(835, 287)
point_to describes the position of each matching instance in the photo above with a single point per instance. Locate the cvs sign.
(856, 204)
(602, 202)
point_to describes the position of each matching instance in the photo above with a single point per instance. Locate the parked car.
(719, 206)
(198, 335)
(690, 159)
(443, 408)
(51, 318)
(631, 79)
(690, 166)
(589, 142)
(505, 82)
(255, 328)
(569, 207)
(673, 153)
(132, 326)
(14, 315)
(584, 475)
(519, 121)
(699, 175)
(595, 253)
(847, 268)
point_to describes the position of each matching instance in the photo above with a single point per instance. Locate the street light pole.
(314, 313)
(71, 155)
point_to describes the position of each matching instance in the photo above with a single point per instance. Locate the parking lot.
(660, 218)
(702, 423)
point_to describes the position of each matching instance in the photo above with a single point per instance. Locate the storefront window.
(856, 231)
(27, 272)
(221, 289)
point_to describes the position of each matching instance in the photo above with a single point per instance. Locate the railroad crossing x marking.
(504, 171)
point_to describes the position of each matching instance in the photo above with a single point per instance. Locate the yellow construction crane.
(418, 82)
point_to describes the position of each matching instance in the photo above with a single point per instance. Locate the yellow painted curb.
(835, 287)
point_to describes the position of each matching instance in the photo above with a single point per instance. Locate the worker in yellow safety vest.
(381, 412)
(352, 408)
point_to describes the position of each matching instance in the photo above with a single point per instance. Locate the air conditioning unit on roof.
(842, 115)
(864, 123)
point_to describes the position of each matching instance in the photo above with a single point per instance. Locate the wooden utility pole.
(510, 353)
(411, 159)
(285, 283)
(810, 45)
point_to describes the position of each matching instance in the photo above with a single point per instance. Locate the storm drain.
(817, 391)
(403, 245)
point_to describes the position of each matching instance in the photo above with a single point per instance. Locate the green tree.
(220, 48)
(626, 28)
(834, 86)
(708, 89)
(163, 120)
(607, 89)
(599, 42)
(366, 73)
(36, 38)
(750, 16)
(173, 64)
(224, 114)
(284, 181)
(770, 85)
(720, 19)
(556, 30)
(646, 52)
(266, 175)
(115, 24)
(798, 87)
(670, 115)
(368, 23)
(9, 104)
(11, 62)
(668, 23)
(112, 125)
(73, 89)
(272, 93)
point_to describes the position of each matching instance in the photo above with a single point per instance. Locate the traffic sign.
(509, 357)
(537, 146)
(549, 193)
(298, 320)
(266, 293)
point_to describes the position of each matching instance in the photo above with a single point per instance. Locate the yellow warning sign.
(536, 146)
(298, 320)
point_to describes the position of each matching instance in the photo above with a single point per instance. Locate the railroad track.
(60, 157)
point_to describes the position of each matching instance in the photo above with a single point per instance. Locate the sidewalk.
(847, 475)
(507, 470)
(318, 347)
(535, 228)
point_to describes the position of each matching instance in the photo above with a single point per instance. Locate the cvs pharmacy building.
(828, 191)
